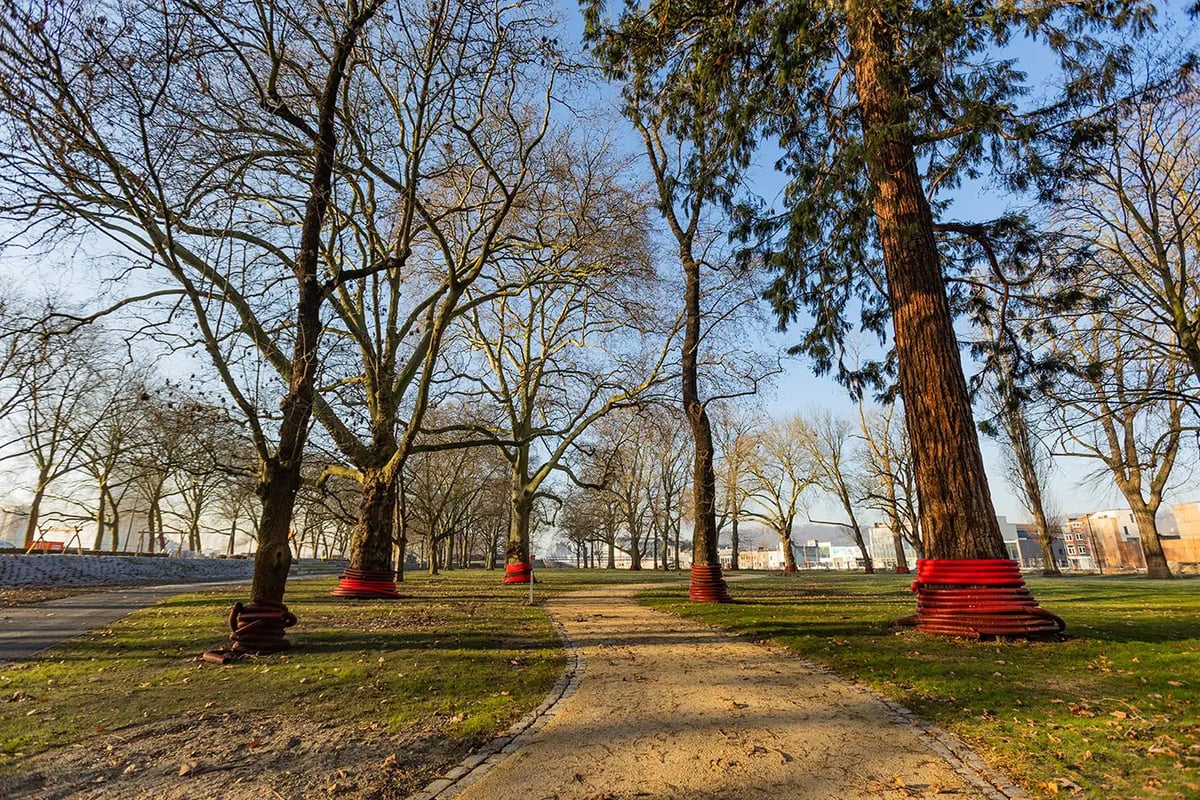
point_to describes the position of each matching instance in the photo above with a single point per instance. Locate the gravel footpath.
(669, 708)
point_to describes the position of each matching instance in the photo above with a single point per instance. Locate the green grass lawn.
(1109, 713)
(459, 653)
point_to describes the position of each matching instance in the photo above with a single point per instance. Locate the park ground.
(377, 698)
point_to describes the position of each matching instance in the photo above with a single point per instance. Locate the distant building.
(1186, 548)
(1187, 520)
(808, 553)
(1105, 540)
(1025, 546)
(12, 524)
(882, 547)
(1080, 545)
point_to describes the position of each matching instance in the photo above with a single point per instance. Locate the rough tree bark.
(956, 512)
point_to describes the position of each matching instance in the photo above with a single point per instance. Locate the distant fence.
(101, 570)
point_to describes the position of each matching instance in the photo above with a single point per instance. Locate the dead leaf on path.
(938, 788)
(187, 768)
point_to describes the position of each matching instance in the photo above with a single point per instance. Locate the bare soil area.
(12, 596)
(238, 758)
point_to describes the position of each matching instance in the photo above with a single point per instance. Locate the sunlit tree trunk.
(957, 518)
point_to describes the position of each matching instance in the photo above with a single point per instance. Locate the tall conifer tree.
(877, 106)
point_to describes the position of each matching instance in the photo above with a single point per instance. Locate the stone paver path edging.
(676, 710)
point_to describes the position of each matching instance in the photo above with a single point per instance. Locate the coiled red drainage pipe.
(366, 585)
(256, 629)
(519, 572)
(707, 585)
(977, 598)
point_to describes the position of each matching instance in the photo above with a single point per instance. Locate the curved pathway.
(670, 708)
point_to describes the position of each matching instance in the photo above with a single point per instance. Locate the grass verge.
(1110, 712)
(459, 654)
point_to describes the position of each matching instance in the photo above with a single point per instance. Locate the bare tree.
(1137, 205)
(891, 486)
(54, 418)
(668, 444)
(828, 443)
(735, 431)
(108, 446)
(780, 473)
(202, 139)
(1028, 463)
(1120, 406)
(448, 494)
(453, 113)
(692, 163)
(583, 336)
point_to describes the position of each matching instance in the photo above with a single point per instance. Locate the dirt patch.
(238, 758)
(11, 596)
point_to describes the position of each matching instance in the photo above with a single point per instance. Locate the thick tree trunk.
(280, 477)
(1156, 560)
(115, 526)
(612, 551)
(789, 557)
(707, 584)
(516, 547)
(957, 518)
(635, 548)
(371, 542)
(734, 544)
(273, 558)
(280, 474)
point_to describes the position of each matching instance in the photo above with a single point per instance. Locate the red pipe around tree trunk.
(365, 585)
(519, 572)
(977, 598)
(707, 585)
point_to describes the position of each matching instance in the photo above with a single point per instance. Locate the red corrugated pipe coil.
(366, 585)
(256, 629)
(519, 572)
(707, 585)
(977, 598)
